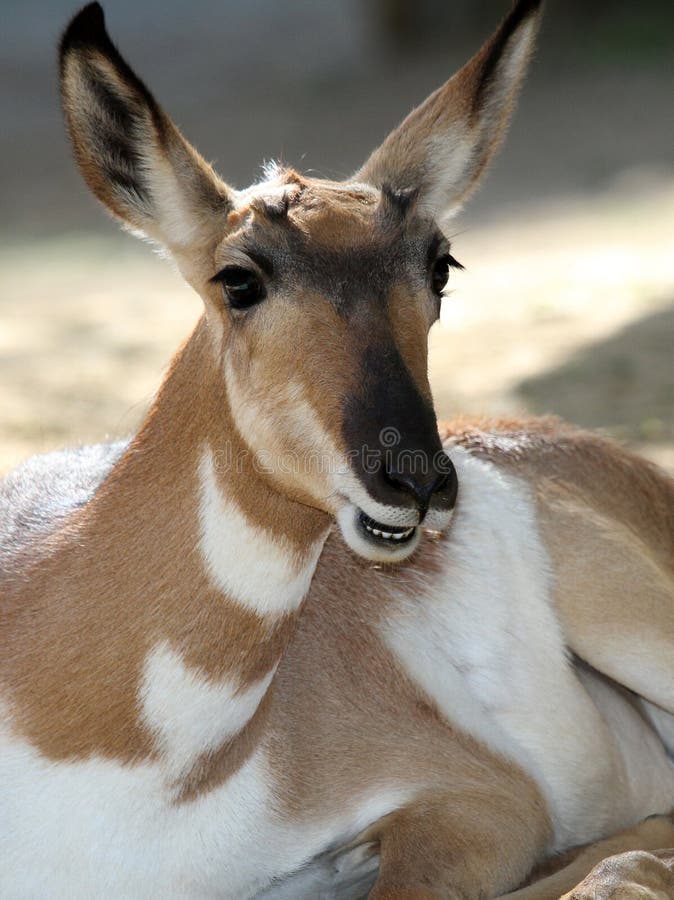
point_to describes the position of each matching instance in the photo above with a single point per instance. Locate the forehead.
(312, 228)
(328, 212)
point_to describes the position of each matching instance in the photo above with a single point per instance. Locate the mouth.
(377, 541)
(380, 533)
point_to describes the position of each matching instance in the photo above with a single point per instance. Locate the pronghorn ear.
(443, 147)
(130, 153)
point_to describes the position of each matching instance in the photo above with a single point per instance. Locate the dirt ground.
(565, 308)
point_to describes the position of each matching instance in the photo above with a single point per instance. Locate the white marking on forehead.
(274, 185)
(253, 568)
(268, 190)
(190, 714)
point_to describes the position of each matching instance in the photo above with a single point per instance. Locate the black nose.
(422, 486)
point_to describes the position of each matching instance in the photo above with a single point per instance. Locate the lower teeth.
(387, 536)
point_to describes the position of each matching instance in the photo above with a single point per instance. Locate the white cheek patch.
(260, 421)
(258, 571)
(289, 415)
(188, 713)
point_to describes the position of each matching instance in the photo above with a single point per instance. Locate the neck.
(198, 567)
(255, 546)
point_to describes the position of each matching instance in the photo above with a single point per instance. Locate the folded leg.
(441, 849)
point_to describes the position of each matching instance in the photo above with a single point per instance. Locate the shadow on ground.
(624, 384)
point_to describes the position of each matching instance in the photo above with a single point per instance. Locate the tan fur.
(81, 613)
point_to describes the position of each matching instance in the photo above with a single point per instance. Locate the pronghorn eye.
(440, 272)
(242, 287)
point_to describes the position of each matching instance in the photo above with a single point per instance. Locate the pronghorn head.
(319, 295)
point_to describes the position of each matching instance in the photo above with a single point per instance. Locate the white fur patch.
(95, 828)
(485, 644)
(336, 873)
(516, 58)
(246, 562)
(189, 714)
(72, 831)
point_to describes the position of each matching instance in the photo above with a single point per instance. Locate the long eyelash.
(454, 263)
(219, 277)
(262, 262)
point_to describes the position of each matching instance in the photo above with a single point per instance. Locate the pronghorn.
(210, 690)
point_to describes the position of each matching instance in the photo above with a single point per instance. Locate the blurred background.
(567, 302)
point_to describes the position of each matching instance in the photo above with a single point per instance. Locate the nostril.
(421, 489)
(403, 481)
(440, 483)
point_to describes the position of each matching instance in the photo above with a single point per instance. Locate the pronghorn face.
(319, 295)
(325, 351)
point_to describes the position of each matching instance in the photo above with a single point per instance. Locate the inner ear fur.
(443, 147)
(132, 156)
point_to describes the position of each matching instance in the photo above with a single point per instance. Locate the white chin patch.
(376, 540)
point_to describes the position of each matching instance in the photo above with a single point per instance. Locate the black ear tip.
(86, 28)
(521, 12)
(525, 8)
